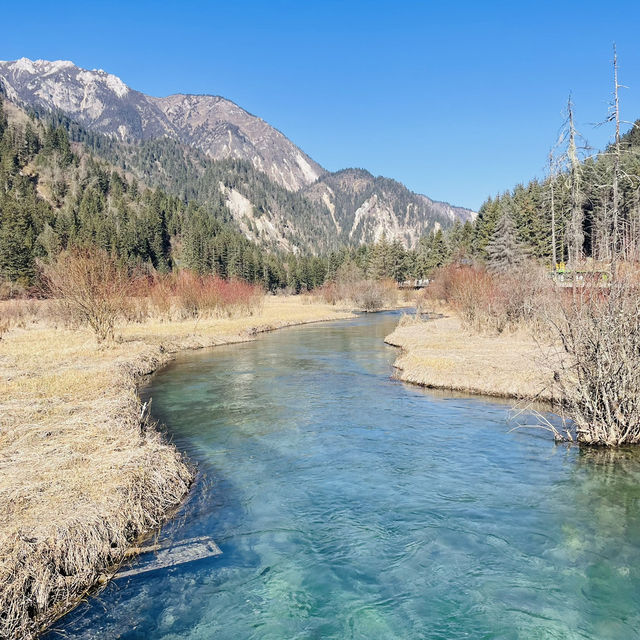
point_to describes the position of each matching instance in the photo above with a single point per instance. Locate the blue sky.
(458, 100)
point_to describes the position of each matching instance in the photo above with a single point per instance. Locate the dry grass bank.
(80, 476)
(442, 354)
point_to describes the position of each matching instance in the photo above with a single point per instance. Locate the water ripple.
(348, 505)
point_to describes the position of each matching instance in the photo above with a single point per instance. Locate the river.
(350, 505)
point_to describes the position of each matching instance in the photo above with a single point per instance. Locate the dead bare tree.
(577, 215)
(621, 226)
(552, 177)
(552, 205)
(616, 167)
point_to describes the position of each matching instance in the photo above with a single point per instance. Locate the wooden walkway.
(174, 554)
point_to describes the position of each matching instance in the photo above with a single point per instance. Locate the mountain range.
(209, 148)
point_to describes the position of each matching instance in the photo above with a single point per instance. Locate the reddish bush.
(328, 292)
(188, 294)
(493, 302)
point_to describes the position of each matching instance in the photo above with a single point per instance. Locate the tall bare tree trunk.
(577, 231)
(554, 257)
(616, 169)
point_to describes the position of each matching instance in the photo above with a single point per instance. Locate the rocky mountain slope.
(209, 148)
(102, 102)
(364, 207)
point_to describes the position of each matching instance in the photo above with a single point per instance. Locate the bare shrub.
(329, 293)
(158, 290)
(186, 294)
(190, 293)
(16, 308)
(10, 290)
(91, 287)
(136, 309)
(372, 295)
(494, 302)
(14, 313)
(599, 372)
(237, 296)
(367, 295)
(351, 287)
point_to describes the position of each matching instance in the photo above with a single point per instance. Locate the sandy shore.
(81, 478)
(441, 354)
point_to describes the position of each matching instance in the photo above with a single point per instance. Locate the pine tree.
(504, 250)
(16, 243)
(380, 260)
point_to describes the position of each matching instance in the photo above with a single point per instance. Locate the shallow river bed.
(349, 505)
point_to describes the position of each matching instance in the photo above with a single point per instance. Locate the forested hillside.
(63, 185)
(56, 193)
(217, 184)
(364, 207)
(346, 208)
(579, 196)
(209, 149)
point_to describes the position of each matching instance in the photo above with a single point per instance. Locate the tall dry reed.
(92, 288)
(185, 294)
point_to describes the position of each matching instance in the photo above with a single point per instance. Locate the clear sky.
(458, 100)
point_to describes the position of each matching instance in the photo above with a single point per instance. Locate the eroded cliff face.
(363, 208)
(221, 129)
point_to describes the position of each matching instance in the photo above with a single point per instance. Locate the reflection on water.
(348, 505)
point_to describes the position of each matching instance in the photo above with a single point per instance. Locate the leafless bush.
(136, 309)
(367, 295)
(91, 287)
(22, 312)
(372, 295)
(10, 290)
(186, 294)
(351, 287)
(16, 309)
(328, 292)
(494, 302)
(599, 371)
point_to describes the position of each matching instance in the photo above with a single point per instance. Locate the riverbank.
(441, 354)
(82, 475)
(353, 507)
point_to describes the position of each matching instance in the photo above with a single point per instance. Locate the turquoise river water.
(350, 505)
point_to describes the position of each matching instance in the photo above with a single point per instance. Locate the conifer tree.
(504, 250)
(16, 242)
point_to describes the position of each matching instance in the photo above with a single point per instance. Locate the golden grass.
(81, 478)
(441, 354)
